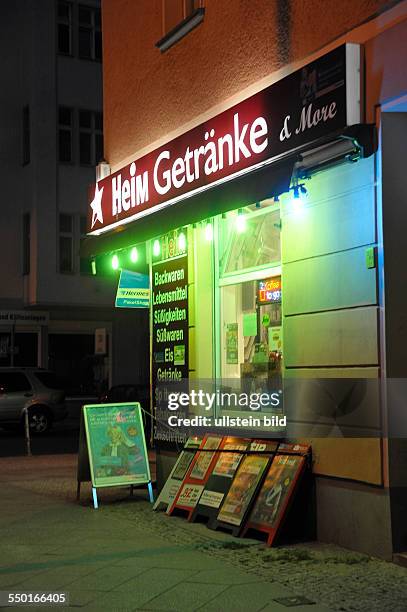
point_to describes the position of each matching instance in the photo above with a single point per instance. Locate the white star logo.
(96, 206)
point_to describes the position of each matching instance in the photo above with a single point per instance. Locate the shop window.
(250, 297)
(64, 28)
(66, 237)
(26, 243)
(89, 33)
(249, 240)
(178, 18)
(90, 137)
(65, 128)
(26, 135)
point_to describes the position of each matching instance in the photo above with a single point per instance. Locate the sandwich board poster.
(174, 480)
(230, 455)
(275, 495)
(197, 475)
(243, 491)
(116, 444)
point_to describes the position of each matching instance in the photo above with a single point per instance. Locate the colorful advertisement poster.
(212, 443)
(201, 465)
(232, 347)
(182, 465)
(116, 444)
(227, 464)
(244, 486)
(275, 491)
(189, 495)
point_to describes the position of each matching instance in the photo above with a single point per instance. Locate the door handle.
(28, 394)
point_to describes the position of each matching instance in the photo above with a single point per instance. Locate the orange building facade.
(342, 313)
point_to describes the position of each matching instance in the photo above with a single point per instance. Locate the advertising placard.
(275, 495)
(218, 484)
(232, 343)
(243, 490)
(197, 475)
(177, 475)
(116, 444)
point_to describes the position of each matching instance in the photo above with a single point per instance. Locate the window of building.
(90, 137)
(85, 263)
(89, 33)
(175, 11)
(65, 128)
(250, 295)
(26, 243)
(178, 18)
(26, 135)
(64, 28)
(66, 239)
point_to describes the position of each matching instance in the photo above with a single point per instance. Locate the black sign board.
(277, 491)
(220, 479)
(243, 491)
(169, 336)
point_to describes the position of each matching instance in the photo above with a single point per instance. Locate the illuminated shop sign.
(269, 290)
(316, 101)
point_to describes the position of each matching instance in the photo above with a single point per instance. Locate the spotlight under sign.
(269, 290)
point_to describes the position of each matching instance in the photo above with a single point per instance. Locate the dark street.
(61, 439)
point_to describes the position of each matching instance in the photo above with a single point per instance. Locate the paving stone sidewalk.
(123, 556)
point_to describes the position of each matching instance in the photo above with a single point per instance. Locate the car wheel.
(39, 420)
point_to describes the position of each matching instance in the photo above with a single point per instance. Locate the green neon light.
(156, 248)
(134, 255)
(182, 242)
(115, 262)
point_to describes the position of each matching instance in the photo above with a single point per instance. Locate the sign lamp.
(134, 255)
(240, 222)
(156, 248)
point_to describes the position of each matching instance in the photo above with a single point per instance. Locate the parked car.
(131, 393)
(35, 389)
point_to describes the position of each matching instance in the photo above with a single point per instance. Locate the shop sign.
(23, 317)
(269, 290)
(313, 102)
(170, 336)
(133, 290)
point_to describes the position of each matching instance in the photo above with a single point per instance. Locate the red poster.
(197, 475)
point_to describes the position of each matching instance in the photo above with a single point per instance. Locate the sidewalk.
(124, 556)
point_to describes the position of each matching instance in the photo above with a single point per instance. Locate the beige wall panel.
(334, 399)
(331, 219)
(337, 338)
(346, 458)
(335, 281)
